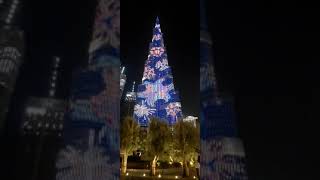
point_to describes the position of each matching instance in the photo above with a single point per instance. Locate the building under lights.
(11, 53)
(45, 115)
(123, 79)
(131, 96)
(42, 127)
(191, 119)
(222, 153)
(156, 96)
(91, 132)
(127, 105)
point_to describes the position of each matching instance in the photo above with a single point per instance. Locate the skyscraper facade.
(127, 105)
(156, 96)
(11, 54)
(222, 152)
(92, 121)
(123, 79)
(42, 127)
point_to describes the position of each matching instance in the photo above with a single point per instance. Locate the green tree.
(157, 143)
(129, 140)
(185, 144)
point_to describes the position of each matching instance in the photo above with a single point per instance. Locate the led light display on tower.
(11, 59)
(222, 152)
(156, 96)
(92, 128)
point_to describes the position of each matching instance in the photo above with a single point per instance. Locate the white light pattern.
(173, 109)
(106, 33)
(157, 51)
(207, 78)
(162, 65)
(213, 164)
(148, 73)
(155, 91)
(36, 111)
(92, 164)
(143, 111)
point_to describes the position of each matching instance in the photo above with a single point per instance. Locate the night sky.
(266, 56)
(181, 38)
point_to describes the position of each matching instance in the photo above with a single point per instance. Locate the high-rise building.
(123, 79)
(222, 152)
(156, 96)
(127, 106)
(11, 54)
(191, 119)
(44, 116)
(92, 125)
(42, 127)
(131, 96)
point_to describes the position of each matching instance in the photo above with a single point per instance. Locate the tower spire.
(156, 96)
(203, 19)
(56, 64)
(208, 81)
(134, 83)
(218, 131)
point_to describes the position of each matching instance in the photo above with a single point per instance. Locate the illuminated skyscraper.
(156, 96)
(42, 127)
(45, 115)
(11, 54)
(131, 96)
(127, 106)
(92, 124)
(222, 152)
(123, 79)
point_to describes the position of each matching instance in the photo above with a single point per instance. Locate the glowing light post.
(156, 96)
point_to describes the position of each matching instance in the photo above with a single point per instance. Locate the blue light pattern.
(156, 96)
(222, 153)
(92, 121)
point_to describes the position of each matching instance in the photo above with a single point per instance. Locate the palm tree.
(186, 142)
(129, 140)
(158, 140)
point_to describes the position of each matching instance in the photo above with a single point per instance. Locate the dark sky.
(266, 56)
(181, 37)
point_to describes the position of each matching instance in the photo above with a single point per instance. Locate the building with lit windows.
(127, 105)
(11, 53)
(123, 79)
(42, 127)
